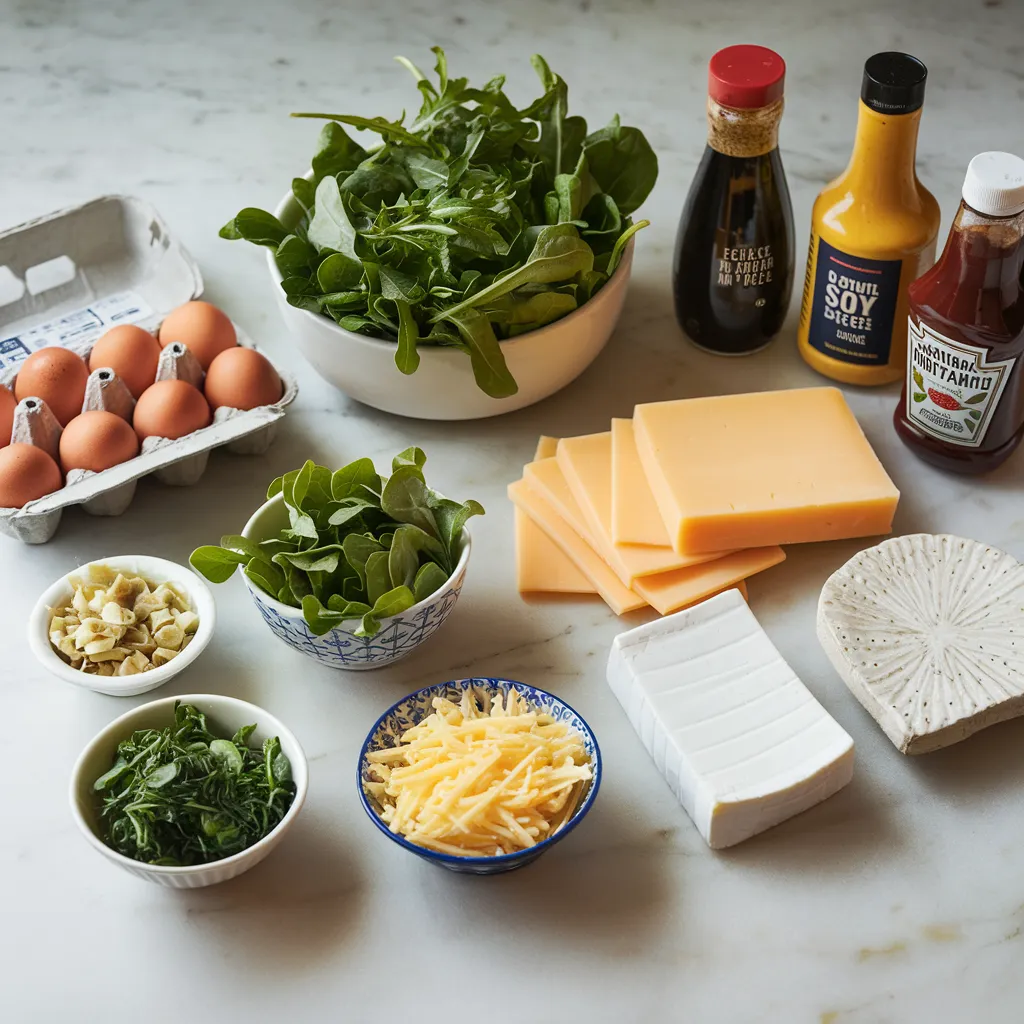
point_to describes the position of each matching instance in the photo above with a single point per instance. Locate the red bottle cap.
(746, 77)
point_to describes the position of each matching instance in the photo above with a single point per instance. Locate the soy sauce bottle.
(733, 268)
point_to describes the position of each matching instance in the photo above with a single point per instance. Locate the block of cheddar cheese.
(540, 563)
(774, 467)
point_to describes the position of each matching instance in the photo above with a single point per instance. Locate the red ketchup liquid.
(962, 407)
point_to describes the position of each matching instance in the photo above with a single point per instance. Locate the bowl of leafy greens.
(466, 265)
(189, 791)
(348, 567)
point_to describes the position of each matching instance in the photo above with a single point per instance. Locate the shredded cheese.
(474, 783)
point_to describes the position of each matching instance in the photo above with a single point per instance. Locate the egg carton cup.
(82, 271)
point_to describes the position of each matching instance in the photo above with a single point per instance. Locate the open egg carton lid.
(65, 280)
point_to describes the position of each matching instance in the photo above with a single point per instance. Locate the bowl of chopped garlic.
(123, 625)
(479, 775)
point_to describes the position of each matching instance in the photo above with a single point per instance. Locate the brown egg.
(8, 403)
(203, 328)
(97, 441)
(26, 473)
(170, 408)
(241, 378)
(131, 353)
(58, 377)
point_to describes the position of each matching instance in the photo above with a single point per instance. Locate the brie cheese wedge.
(928, 633)
(739, 738)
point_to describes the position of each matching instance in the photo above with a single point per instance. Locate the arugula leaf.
(419, 239)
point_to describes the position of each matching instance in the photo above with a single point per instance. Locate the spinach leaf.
(429, 580)
(330, 227)
(623, 164)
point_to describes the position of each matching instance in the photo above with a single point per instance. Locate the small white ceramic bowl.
(225, 715)
(442, 388)
(156, 570)
(399, 635)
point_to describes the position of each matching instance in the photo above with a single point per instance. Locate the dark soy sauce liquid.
(737, 207)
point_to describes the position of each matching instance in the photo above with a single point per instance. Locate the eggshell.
(202, 327)
(97, 440)
(241, 378)
(170, 408)
(8, 403)
(58, 377)
(26, 473)
(131, 353)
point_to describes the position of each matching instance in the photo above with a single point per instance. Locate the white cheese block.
(741, 741)
(928, 633)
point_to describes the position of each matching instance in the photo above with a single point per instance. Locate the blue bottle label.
(854, 306)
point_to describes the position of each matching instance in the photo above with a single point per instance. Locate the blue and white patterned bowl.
(417, 706)
(399, 635)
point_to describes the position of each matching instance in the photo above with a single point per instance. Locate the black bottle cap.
(893, 83)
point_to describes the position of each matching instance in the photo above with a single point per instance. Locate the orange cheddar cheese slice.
(540, 563)
(635, 515)
(548, 501)
(774, 467)
(618, 597)
(586, 465)
(672, 591)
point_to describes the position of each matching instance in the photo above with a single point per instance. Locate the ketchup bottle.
(733, 268)
(962, 407)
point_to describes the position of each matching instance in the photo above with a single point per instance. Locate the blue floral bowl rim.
(288, 612)
(503, 858)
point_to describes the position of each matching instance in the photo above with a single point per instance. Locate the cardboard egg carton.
(66, 279)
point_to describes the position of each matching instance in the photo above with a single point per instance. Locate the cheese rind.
(540, 564)
(927, 631)
(774, 467)
(635, 515)
(741, 741)
(618, 597)
(586, 465)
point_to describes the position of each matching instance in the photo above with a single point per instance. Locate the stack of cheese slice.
(739, 738)
(691, 497)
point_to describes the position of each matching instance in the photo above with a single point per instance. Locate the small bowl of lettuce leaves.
(470, 262)
(350, 568)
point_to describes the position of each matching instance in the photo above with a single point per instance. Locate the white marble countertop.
(900, 899)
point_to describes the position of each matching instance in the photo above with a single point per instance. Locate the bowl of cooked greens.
(469, 263)
(350, 568)
(189, 791)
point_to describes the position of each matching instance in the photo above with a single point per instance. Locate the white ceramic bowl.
(156, 570)
(442, 388)
(225, 715)
(399, 635)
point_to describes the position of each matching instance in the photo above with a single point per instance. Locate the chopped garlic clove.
(188, 621)
(169, 636)
(161, 656)
(160, 617)
(95, 647)
(117, 615)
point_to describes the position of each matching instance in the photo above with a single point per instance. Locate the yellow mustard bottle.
(873, 231)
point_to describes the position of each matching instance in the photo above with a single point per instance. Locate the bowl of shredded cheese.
(479, 775)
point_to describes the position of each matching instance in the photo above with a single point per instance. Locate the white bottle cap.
(994, 184)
